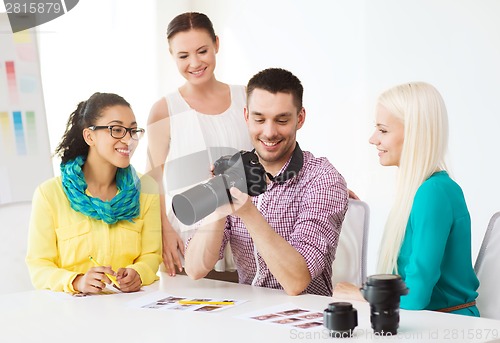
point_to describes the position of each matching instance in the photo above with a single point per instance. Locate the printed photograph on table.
(288, 315)
(162, 301)
(292, 312)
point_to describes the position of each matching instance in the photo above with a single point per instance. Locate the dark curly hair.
(87, 112)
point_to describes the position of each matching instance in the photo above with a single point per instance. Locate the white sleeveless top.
(197, 140)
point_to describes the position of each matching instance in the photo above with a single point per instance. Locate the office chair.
(350, 259)
(487, 271)
(14, 218)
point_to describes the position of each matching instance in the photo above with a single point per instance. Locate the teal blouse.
(435, 256)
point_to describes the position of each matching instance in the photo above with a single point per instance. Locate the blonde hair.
(423, 113)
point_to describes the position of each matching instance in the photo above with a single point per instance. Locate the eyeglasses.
(118, 131)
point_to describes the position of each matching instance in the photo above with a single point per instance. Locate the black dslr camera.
(241, 170)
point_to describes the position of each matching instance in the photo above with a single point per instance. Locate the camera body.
(241, 170)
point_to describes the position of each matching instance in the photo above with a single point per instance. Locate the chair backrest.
(14, 224)
(487, 270)
(350, 259)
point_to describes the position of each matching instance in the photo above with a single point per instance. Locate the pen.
(111, 277)
(194, 302)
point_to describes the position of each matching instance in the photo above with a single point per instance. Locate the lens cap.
(385, 279)
(341, 319)
(378, 286)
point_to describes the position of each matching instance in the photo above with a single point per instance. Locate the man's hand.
(242, 202)
(240, 205)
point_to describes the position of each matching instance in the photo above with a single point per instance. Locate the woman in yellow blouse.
(98, 207)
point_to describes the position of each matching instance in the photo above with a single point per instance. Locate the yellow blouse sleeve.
(42, 254)
(150, 258)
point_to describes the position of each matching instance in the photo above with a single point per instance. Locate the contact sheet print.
(288, 315)
(163, 301)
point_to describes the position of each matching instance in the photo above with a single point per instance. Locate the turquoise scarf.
(124, 206)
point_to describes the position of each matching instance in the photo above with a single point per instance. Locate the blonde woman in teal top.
(427, 237)
(435, 256)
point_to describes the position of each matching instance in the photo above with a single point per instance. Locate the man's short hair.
(277, 80)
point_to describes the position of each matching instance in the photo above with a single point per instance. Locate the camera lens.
(198, 202)
(341, 319)
(383, 292)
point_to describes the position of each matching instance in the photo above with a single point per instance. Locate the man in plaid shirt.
(286, 237)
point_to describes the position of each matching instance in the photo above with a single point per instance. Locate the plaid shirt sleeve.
(321, 212)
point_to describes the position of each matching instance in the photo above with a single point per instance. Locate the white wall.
(345, 51)
(99, 46)
(454, 45)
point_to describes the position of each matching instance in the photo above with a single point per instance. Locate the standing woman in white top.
(192, 127)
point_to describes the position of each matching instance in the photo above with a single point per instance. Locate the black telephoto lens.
(198, 202)
(341, 319)
(383, 292)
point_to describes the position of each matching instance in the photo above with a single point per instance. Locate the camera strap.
(293, 168)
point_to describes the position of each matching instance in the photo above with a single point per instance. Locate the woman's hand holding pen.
(93, 281)
(129, 280)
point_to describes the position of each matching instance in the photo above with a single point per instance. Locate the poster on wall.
(25, 159)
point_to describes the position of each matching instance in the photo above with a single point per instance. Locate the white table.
(43, 316)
